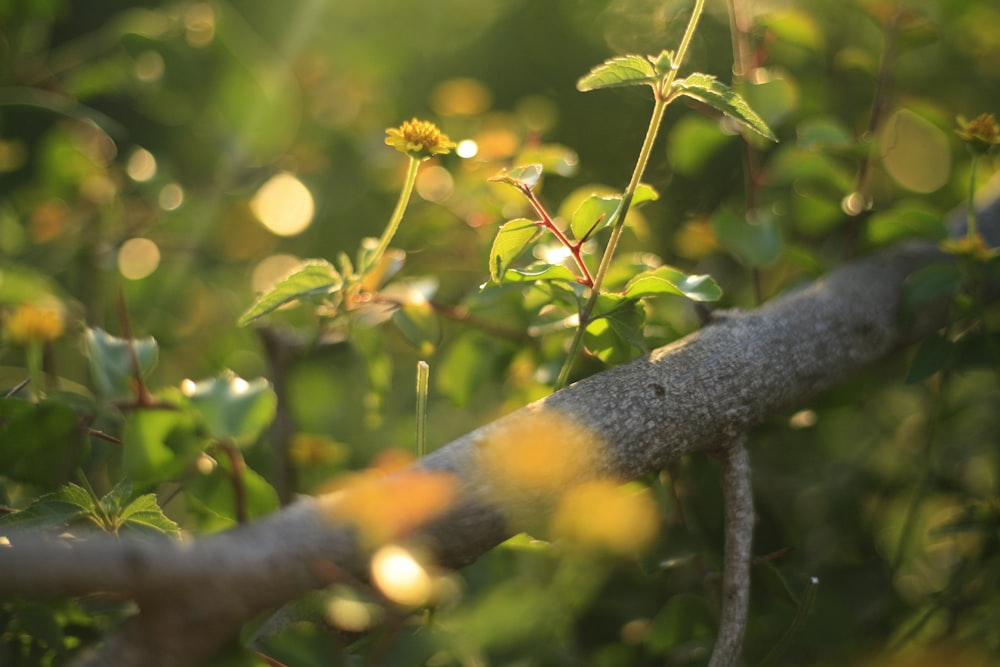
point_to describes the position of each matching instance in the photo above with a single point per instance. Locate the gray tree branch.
(695, 395)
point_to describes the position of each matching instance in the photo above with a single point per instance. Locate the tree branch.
(694, 395)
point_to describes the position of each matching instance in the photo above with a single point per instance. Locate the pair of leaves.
(72, 504)
(633, 70)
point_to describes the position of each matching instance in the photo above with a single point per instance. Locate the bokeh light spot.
(915, 152)
(171, 197)
(138, 258)
(270, 270)
(400, 577)
(149, 66)
(284, 205)
(435, 183)
(141, 165)
(199, 25)
(461, 97)
(467, 148)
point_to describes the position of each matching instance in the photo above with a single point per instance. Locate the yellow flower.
(33, 324)
(981, 134)
(419, 138)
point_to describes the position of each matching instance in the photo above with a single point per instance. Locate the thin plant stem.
(970, 229)
(546, 221)
(662, 99)
(423, 375)
(397, 215)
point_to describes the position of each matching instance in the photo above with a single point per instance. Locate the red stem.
(546, 222)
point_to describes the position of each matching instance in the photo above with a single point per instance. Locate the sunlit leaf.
(615, 334)
(706, 88)
(233, 408)
(313, 277)
(540, 272)
(593, 213)
(644, 193)
(616, 72)
(144, 517)
(662, 63)
(511, 240)
(668, 280)
(526, 176)
(112, 361)
(753, 243)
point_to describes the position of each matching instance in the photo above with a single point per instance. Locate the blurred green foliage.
(142, 146)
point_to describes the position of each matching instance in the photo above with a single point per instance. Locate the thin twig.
(736, 558)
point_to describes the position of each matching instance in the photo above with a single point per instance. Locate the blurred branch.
(693, 396)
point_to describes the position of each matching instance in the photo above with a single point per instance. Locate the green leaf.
(115, 500)
(467, 367)
(753, 243)
(907, 219)
(824, 134)
(159, 445)
(55, 510)
(706, 88)
(233, 408)
(540, 272)
(620, 71)
(644, 193)
(931, 282)
(934, 354)
(668, 280)
(693, 141)
(36, 439)
(615, 334)
(511, 240)
(212, 496)
(663, 63)
(144, 517)
(594, 212)
(313, 277)
(525, 176)
(111, 361)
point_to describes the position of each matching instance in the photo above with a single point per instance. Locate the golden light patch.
(387, 502)
(606, 515)
(534, 456)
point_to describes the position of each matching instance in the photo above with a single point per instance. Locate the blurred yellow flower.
(981, 134)
(605, 515)
(33, 324)
(420, 139)
(388, 501)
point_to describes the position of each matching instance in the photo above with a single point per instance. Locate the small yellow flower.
(981, 134)
(33, 324)
(419, 138)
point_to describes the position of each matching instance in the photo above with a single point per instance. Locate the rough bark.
(695, 395)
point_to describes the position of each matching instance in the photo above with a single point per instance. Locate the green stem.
(33, 356)
(971, 225)
(423, 375)
(397, 216)
(663, 98)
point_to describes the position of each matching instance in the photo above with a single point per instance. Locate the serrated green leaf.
(111, 361)
(540, 272)
(233, 408)
(511, 240)
(69, 504)
(523, 176)
(617, 72)
(144, 516)
(706, 88)
(116, 499)
(663, 63)
(313, 277)
(668, 280)
(594, 212)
